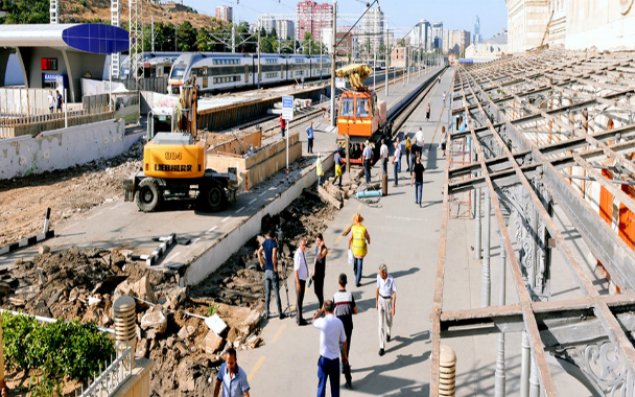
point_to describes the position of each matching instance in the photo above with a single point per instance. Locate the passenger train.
(224, 71)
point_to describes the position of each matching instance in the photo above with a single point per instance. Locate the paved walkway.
(405, 237)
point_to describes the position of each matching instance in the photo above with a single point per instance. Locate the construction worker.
(339, 171)
(408, 150)
(358, 244)
(385, 303)
(309, 134)
(367, 156)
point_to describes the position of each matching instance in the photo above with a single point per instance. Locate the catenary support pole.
(477, 228)
(333, 65)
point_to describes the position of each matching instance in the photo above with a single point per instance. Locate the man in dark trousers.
(345, 307)
(332, 344)
(270, 265)
(417, 180)
(309, 136)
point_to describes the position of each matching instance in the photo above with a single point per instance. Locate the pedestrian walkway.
(405, 238)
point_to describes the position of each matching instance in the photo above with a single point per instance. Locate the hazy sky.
(402, 14)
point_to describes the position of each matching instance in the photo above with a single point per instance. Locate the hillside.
(168, 13)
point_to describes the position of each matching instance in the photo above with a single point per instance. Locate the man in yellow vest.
(358, 244)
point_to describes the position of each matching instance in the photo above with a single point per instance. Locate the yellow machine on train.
(174, 164)
(361, 117)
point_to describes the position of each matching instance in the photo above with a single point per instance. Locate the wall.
(260, 166)
(606, 25)
(216, 255)
(138, 385)
(238, 146)
(60, 149)
(526, 23)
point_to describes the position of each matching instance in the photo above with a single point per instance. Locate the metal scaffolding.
(551, 132)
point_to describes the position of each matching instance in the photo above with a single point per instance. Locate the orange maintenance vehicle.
(361, 117)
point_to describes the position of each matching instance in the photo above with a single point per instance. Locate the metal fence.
(114, 375)
(154, 84)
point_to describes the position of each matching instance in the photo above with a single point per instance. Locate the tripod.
(282, 259)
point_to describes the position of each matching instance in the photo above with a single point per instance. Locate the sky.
(401, 14)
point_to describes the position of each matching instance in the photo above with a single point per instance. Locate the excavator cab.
(358, 114)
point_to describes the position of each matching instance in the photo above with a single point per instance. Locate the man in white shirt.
(332, 343)
(301, 272)
(419, 141)
(383, 154)
(385, 302)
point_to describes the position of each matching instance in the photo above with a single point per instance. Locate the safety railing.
(112, 377)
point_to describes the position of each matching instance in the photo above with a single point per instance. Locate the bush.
(64, 348)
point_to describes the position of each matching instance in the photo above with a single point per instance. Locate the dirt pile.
(67, 192)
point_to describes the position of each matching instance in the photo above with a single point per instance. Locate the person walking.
(402, 150)
(231, 378)
(283, 125)
(367, 157)
(339, 171)
(397, 162)
(358, 244)
(428, 112)
(51, 101)
(309, 135)
(383, 155)
(301, 273)
(385, 303)
(319, 268)
(345, 308)
(332, 344)
(408, 147)
(268, 259)
(420, 142)
(416, 179)
(444, 138)
(59, 100)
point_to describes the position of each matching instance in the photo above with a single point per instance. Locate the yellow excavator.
(356, 74)
(174, 164)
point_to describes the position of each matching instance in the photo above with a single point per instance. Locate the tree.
(186, 36)
(25, 11)
(164, 39)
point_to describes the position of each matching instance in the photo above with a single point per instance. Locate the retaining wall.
(60, 149)
(217, 254)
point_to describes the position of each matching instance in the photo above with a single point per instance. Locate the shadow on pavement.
(376, 382)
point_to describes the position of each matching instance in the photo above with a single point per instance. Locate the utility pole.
(152, 32)
(259, 73)
(333, 49)
(386, 74)
(233, 37)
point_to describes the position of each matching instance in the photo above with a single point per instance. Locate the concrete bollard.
(447, 372)
(384, 184)
(125, 318)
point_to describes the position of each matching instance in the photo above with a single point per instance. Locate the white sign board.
(287, 107)
(340, 83)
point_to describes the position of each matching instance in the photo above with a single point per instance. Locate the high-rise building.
(420, 36)
(313, 18)
(371, 32)
(436, 42)
(285, 28)
(225, 13)
(456, 41)
(477, 31)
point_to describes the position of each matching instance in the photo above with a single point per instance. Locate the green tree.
(25, 11)
(164, 39)
(186, 37)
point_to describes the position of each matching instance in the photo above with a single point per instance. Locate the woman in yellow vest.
(358, 244)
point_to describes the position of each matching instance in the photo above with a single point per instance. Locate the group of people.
(334, 318)
(55, 101)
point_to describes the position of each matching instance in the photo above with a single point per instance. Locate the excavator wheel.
(149, 196)
(212, 197)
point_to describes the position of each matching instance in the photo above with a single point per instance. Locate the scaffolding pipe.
(477, 229)
(486, 286)
(499, 375)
